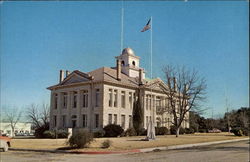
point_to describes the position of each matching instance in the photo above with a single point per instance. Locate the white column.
(69, 107)
(154, 109)
(78, 109)
(59, 110)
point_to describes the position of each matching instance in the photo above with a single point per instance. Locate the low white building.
(106, 95)
(22, 128)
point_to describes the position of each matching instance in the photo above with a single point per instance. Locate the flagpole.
(122, 15)
(151, 64)
(151, 47)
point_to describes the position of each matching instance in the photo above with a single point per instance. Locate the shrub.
(173, 130)
(161, 131)
(130, 132)
(106, 144)
(237, 131)
(142, 132)
(49, 134)
(189, 130)
(113, 130)
(99, 134)
(80, 139)
(202, 130)
(246, 131)
(62, 134)
(39, 131)
(182, 130)
(55, 134)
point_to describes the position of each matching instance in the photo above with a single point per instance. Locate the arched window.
(123, 63)
(133, 63)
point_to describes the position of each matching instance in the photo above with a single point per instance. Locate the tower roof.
(128, 51)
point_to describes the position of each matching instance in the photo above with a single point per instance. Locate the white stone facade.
(106, 95)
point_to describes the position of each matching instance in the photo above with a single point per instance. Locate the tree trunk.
(12, 131)
(177, 132)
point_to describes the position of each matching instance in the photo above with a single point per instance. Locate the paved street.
(230, 152)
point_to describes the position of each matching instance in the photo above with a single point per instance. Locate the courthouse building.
(106, 95)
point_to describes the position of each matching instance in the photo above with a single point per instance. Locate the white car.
(4, 145)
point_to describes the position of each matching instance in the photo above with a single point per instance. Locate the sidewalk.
(134, 150)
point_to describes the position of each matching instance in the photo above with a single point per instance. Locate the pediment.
(157, 85)
(74, 78)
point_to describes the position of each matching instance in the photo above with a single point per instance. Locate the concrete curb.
(189, 145)
(134, 150)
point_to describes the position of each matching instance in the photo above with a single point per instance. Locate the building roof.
(109, 75)
(103, 74)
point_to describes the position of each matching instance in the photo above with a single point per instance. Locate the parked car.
(5, 143)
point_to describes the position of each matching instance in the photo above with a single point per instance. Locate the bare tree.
(185, 89)
(13, 116)
(45, 113)
(38, 116)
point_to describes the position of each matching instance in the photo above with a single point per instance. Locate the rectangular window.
(115, 98)
(110, 118)
(55, 101)
(55, 121)
(115, 118)
(147, 100)
(150, 102)
(73, 123)
(158, 101)
(130, 100)
(153, 102)
(123, 99)
(110, 97)
(64, 121)
(75, 100)
(96, 120)
(64, 100)
(146, 120)
(97, 98)
(130, 121)
(84, 121)
(85, 99)
(158, 104)
(123, 121)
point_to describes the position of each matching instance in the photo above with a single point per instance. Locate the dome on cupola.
(128, 51)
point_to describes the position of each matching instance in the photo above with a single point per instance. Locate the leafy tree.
(137, 114)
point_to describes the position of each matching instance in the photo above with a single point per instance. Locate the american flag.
(147, 27)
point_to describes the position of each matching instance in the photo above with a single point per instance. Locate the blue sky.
(40, 38)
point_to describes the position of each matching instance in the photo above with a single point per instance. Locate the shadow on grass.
(66, 148)
(138, 140)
